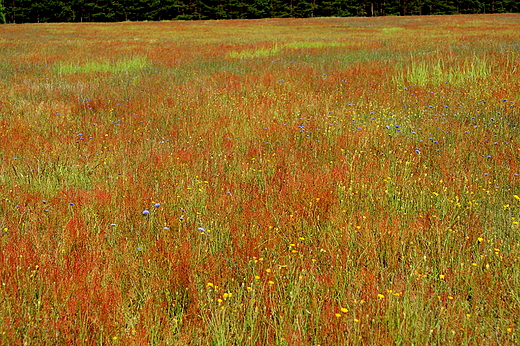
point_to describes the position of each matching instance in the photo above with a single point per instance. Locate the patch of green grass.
(120, 66)
(47, 178)
(264, 52)
(440, 71)
(392, 30)
(255, 53)
(312, 44)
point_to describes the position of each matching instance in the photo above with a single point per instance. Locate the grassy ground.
(267, 182)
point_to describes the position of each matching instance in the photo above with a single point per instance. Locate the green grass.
(310, 44)
(118, 66)
(254, 53)
(442, 71)
(392, 30)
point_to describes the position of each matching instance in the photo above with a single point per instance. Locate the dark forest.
(41, 11)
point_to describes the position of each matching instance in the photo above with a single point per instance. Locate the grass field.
(328, 181)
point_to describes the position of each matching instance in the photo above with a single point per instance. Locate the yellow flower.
(516, 197)
(344, 310)
(338, 315)
(268, 270)
(441, 276)
(270, 282)
(380, 296)
(209, 284)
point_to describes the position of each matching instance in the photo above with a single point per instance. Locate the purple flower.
(157, 205)
(146, 212)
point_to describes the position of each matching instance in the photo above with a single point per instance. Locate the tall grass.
(441, 70)
(124, 65)
(270, 182)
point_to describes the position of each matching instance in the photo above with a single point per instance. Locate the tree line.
(40, 11)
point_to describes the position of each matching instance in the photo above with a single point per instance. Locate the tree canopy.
(29, 11)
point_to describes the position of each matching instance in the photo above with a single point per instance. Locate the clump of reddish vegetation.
(320, 181)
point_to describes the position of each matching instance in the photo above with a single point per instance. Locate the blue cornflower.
(146, 212)
(157, 205)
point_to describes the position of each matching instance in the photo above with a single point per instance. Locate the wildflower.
(270, 282)
(157, 205)
(344, 310)
(441, 276)
(209, 284)
(381, 296)
(516, 197)
(338, 315)
(146, 212)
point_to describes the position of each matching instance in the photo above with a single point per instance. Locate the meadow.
(326, 181)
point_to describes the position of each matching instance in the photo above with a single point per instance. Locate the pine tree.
(2, 12)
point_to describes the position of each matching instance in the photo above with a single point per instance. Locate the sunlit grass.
(311, 44)
(392, 30)
(439, 71)
(255, 53)
(118, 66)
